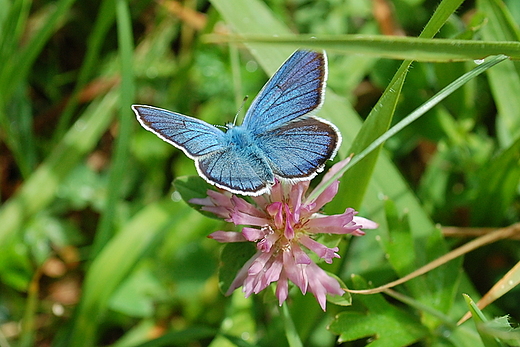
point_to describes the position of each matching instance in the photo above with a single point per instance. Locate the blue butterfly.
(280, 137)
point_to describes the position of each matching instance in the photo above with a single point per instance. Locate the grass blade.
(390, 47)
(39, 190)
(126, 119)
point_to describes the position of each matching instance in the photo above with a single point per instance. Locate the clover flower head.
(284, 224)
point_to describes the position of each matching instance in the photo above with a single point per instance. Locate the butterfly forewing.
(195, 137)
(295, 90)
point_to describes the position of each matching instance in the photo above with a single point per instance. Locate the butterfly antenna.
(240, 109)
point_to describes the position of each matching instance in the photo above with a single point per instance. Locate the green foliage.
(100, 248)
(233, 258)
(495, 333)
(388, 325)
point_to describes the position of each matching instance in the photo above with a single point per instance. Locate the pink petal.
(227, 236)
(296, 197)
(295, 272)
(326, 196)
(332, 171)
(335, 224)
(272, 273)
(365, 223)
(299, 255)
(321, 284)
(204, 201)
(219, 199)
(245, 207)
(282, 289)
(289, 221)
(258, 281)
(218, 203)
(275, 210)
(219, 211)
(277, 192)
(259, 263)
(267, 242)
(254, 234)
(322, 251)
(242, 275)
(240, 218)
(255, 280)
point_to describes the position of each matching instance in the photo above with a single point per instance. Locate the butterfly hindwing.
(295, 90)
(237, 170)
(300, 149)
(193, 136)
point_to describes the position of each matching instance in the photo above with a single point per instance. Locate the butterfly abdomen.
(245, 143)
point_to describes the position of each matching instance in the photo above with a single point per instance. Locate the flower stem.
(290, 330)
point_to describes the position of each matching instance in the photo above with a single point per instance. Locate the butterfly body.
(240, 137)
(279, 138)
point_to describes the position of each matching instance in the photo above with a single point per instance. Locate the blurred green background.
(98, 248)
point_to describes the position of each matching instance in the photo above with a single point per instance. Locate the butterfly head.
(229, 125)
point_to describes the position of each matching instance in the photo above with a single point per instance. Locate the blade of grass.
(28, 325)
(18, 128)
(437, 98)
(113, 264)
(16, 69)
(379, 119)
(20, 137)
(105, 19)
(13, 23)
(497, 188)
(505, 79)
(479, 319)
(510, 280)
(290, 330)
(390, 47)
(39, 190)
(126, 119)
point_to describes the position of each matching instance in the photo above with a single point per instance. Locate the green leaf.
(340, 300)
(185, 337)
(501, 328)
(504, 80)
(385, 324)
(16, 269)
(118, 166)
(496, 190)
(194, 187)
(115, 262)
(380, 118)
(479, 319)
(233, 257)
(136, 296)
(438, 287)
(398, 244)
(39, 190)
